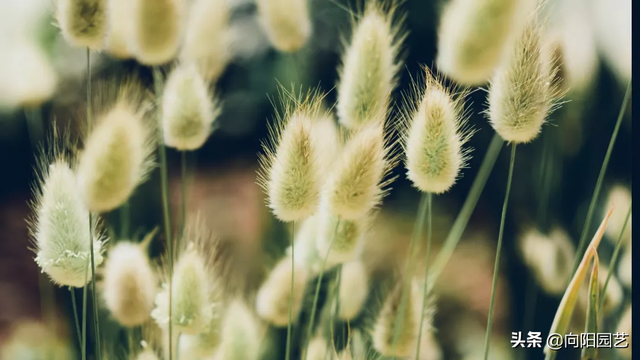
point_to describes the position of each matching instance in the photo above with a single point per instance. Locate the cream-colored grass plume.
(130, 283)
(207, 37)
(549, 257)
(157, 30)
(624, 267)
(120, 21)
(241, 334)
(474, 35)
(83, 22)
(195, 287)
(523, 92)
(326, 130)
(286, 22)
(272, 301)
(343, 236)
(384, 330)
(434, 135)
(317, 349)
(353, 291)
(188, 109)
(620, 196)
(356, 186)
(291, 164)
(118, 153)
(28, 78)
(370, 65)
(60, 225)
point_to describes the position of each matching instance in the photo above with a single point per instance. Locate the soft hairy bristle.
(384, 330)
(354, 289)
(191, 305)
(342, 237)
(290, 165)
(286, 22)
(369, 67)
(118, 155)
(188, 110)
(83, 22)
(207, 37)
(433, 136)
(272, 301)
(120, 20)
(549, 257)
(522, 91)
(474, 35)
(241, 333)
(355, 185)
(327, 132)
(60, 226)
(157, 30)
(129, 284)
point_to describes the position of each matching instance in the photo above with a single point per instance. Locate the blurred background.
(42, 80)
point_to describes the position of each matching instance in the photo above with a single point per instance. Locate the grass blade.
(591, 327)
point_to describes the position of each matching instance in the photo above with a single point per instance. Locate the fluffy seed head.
(342, 237)
(60, 226)
(522, 92)
(191, 304)
(272, 302)
(407, 338)
(473, 36)
(187, 109)
(120, 20)
(620, 196)
(549, 257)
(83, 22)
(355, 185)
(291, 166)
(369, 68)
(157, 30)
(624, 326)
(129, 283)
(207, 37)
(317, 349)
(241, 334)
(624, 267)
(286, 22)
(354, 289)
(327, 132)
(433, 137)
(117, 157)
(28, 78)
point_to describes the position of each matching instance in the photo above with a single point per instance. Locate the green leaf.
(591, 326)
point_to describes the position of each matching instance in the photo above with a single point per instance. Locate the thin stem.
(460, 224)
(317, 293)
(585, 230)
(183, 161)
(614, 258)
(417, 234)
(84, 318)
(164, 182)
(125, 214)
(293, 241)
(426, 270)
(96, 318)
(74, 306)
(496, 265)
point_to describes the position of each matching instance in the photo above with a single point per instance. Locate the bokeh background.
(594, 38)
